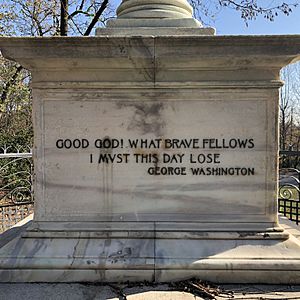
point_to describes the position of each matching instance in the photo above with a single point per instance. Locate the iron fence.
(289, 185)
(289, 194)
(16, 189)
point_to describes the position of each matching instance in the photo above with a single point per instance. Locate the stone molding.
(160, 61)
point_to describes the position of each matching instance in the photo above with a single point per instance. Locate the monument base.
(214, 98)
(150, 255)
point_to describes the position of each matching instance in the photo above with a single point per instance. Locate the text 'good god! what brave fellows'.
(187, 143)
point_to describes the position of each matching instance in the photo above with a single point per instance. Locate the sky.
(228, 21)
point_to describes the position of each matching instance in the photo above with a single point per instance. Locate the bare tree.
(289, 108)
(39, 18)
(53, 17)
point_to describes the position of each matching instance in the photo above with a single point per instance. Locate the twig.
(201, 289)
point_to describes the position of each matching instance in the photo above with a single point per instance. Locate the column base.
(155, 22)
(154, 31)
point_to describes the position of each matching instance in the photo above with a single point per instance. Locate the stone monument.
(156, 153)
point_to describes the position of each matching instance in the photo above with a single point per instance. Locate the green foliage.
(15, 105)
(16, 132)
(289, 161)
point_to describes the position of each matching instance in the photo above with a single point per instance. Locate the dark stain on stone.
(144, 61)
(247, 234)
(107, 243)
(147, 117)
(125, 252)
(122, 49)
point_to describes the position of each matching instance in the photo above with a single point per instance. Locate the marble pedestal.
(155, 159)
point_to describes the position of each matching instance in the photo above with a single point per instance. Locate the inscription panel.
(156, 160)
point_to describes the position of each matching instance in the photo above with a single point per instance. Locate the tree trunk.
(64, 7)
(283, 130)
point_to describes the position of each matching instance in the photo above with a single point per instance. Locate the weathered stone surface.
(114, 194)
(154, 31)
(191, 104)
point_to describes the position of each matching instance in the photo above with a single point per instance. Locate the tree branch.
(81, 5)
(96, 17)
(77, 27)
(77, 12)
(249, 8)
(11, 82)
(250, 4)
